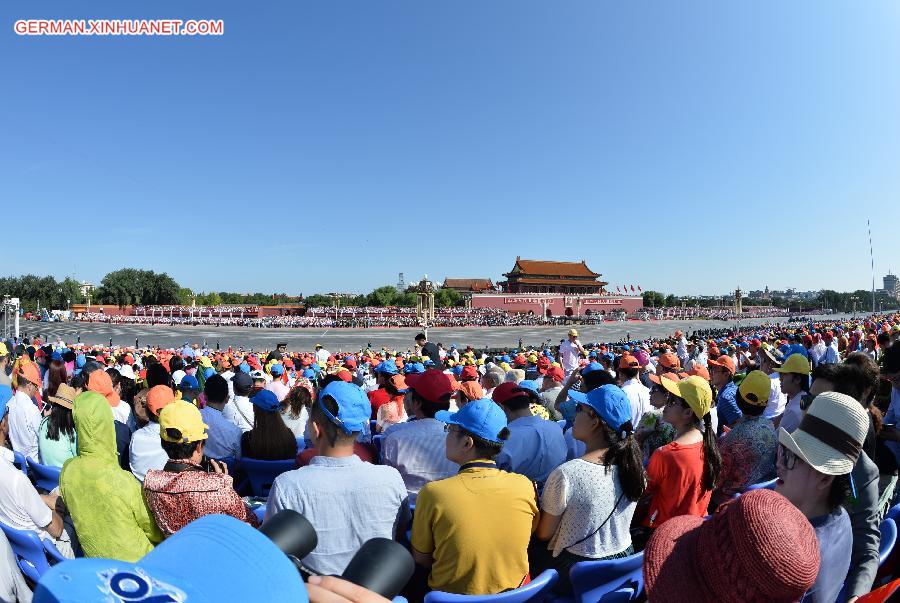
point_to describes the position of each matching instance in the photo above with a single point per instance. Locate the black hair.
(485, 448)
(296, 399)
(519, 401)
(868, 370)
(60, 423)
(712, 459)
(629, 373)
(176, 363)
(429, 408)
(625, 453)
(890, 360)
(270, 439)
(420, 336)
(216, 389)
(178, 450)
(158, 375)
(595, 379)
(883, 339)
(839, 492)
(333, 433)
(748, 409)
(847, 378)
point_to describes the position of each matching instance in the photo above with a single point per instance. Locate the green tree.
(653, 299)
(448, 298)
(184, 296)
(671, 301)
(406, 300)
(317, 300)
(383, 296)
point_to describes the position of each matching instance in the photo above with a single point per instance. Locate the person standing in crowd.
(570, 352)
(364, 501)
(56, 434)
(588, 502)
(428, 349)
(748, 450)
(471, 531)
(270, 439)
(184, 490)
(223, 437)
(814, 463)
(794, 383)
(416, 448)
(535, 446)
(24, 416)
(145, 451)
(239, 409)
(682, 475)
(721, 373)
(830, 355)
(638, 393)
(110, 515)
(277, 385)
(322, 355)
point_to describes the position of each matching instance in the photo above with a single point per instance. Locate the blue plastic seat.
(377, 441)
(260, 513)
(301, 445)
(29, 551)
(536, 590)
(769, 485)
(608, 580)
(262, 473)
(53, 554)
(46, 476)
(888, 539)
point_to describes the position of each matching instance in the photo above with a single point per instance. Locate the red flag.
(639, 289)
(618, 290)
(632, 288)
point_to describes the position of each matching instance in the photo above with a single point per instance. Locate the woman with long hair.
(683, 474)
(270, 439)
(56, 375)
(588, 502)
(296, 406)
(56, 433)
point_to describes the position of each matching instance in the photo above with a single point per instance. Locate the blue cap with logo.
(354, 408)
(482, 418)
(266, 400)
(612, 404)
(189, 382)
(247, 567)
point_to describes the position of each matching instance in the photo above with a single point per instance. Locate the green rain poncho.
(110, 515)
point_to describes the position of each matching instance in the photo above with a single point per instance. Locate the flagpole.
(872, 258)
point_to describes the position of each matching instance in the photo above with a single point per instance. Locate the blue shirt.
(535, 448)
(892, 417)
(347, 501)
(835, 538)
(224, 439)
(726, 405)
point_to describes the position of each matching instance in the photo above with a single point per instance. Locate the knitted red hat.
(759, 547)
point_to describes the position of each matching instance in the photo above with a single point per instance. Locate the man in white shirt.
(239, 409)
(570, 352)
(24, 416)
(417, 448)
(830, 354)
(681, 348)
(771, 359)
(277, 385)
(637, 392)
(322, 355)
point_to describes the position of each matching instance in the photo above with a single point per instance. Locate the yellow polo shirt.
(477, 525)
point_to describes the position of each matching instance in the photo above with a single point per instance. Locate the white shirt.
(417, 449)
(24, 420)
(145, 451)
(21, 507)
(277, 387)
(322, 357)
(639, 396)
(122, 413)
(570, 356)
(777, 400)
(240, 412)
(792, 414)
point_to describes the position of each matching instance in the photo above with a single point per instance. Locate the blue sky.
(688, 147)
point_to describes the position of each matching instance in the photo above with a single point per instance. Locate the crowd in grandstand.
(748, 465)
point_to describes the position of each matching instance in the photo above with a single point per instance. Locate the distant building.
(86, 288)
(539, 276)
(891, 285)
(468, 285)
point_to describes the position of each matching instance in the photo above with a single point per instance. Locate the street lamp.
(424, 290)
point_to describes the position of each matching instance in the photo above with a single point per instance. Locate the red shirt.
(675, 479)
(380, 397)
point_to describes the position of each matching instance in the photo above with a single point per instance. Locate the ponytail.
(712, 460)
(625, 453)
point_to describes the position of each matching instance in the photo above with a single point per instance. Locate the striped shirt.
(417, 450)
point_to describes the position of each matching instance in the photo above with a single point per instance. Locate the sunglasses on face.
(785, 457)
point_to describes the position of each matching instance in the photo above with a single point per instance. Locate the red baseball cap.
(469, 372)
(509, 390)
(433, 385)
(555, 373)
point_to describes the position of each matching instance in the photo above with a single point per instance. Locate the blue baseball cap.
(6, 394)
(354, 408)
(244, 367)
(590, 368)
(481, 418)
(388, 367)
(244, 566)
(277, 369)
(266, 400)
(207, 373)
(308, 373)
(529, 384)
(611, 403)
(189, 382)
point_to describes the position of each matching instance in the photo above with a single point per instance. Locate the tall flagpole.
(872, 257)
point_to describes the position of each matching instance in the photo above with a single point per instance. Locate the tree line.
(839, 301)
(130, 286)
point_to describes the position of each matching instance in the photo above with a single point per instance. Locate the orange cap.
(101, 383)
(669, 360)
(724, 361)
(158, 397)
(29, 372)
(700, 371)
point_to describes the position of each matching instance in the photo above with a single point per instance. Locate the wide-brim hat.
(759, 547)
(65, 396)
(831, 434)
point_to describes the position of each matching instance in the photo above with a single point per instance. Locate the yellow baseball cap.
(573, 332)
(796, 363)
(755, 388)
(3, 350)
(180, 421)
(694, 390)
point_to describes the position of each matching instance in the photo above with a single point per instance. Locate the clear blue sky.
(688, 147)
